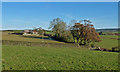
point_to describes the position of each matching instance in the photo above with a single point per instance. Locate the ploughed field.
(40, 54)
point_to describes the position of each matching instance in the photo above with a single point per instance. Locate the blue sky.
(29, 15)
(60, 0)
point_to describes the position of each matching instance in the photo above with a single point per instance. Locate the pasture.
(55, 56)
(108, 41)
(6, 36)
(46, 58)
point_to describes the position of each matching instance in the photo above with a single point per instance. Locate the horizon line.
(48, 29)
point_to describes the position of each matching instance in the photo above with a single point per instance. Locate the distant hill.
(16, 31)
(98, 30)
(108, 30)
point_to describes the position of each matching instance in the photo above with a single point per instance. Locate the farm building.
(34, 32)
(27, 32)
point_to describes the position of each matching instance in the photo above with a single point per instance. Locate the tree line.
(82, 32)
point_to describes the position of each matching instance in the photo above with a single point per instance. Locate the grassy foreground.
(45, 58)
(22, 53)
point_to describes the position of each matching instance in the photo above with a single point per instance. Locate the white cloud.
(106, 27)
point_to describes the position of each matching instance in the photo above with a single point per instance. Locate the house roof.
(27, 31)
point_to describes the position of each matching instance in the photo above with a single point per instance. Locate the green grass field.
(6, 36)
(22, 57)
(109, 36)
(107, 43)
(45, 58)
(49, 32)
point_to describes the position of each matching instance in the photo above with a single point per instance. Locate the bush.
(115, 48)
(67, 36)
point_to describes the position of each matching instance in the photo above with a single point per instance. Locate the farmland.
(55, 56)
(45, 58)
(108, 41)
(6, 36)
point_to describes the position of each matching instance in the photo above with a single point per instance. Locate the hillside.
(108, 30)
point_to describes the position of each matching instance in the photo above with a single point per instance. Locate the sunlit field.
(13, 37)
(54, 57)
(108, 41)
(46, 58)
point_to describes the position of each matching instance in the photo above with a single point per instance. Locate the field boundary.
(24, 43)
